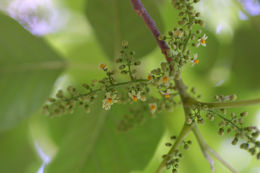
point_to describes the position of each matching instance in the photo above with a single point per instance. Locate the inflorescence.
(173, 158)
(157, 91)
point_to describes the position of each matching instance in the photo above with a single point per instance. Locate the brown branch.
(141, 11)
(150, 23)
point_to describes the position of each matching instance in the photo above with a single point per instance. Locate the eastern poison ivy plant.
(163, 89)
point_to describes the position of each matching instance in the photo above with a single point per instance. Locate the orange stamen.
(134, 98)
(165, 79)
(149, 77)
(178, 33)
(196, 61)
(167, 96)
(152, 107)
(110, 100)
(203, 41)
(102, 66)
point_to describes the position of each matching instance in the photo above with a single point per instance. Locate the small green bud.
(257, 144)
(173, 137)
(233, 97)
(60, 94)
(161, 37)
(164, 66)
(119, 60)
(244, 146)
(52, 100)
(212, 118)
(124, 44)
(71, 89)
(186, 146)
(181, 13)
(200, 120)
(201, 23)
(256, 134)
(252, 151)
(224, 111)
(221, 131)
(85, 86)
(258, 156)
(235, 140)
(87, 109)
(121, 67)
(168, 144)
(197, 14)
(132, 53)
(243, 114)
(189, 121)
(137, 63)
(174, 171)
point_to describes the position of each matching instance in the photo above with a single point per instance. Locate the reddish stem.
(141, 11)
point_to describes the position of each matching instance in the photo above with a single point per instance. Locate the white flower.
(109, 100)
(167, 93)
(166, 80)
(143, 98)
(153, 107)
(135, 96)
(195, 59)
(202, 40)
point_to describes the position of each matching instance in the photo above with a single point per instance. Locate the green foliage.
(114, 21)
(246, 57)
(28, 69)
(16, 151)
(93, 144)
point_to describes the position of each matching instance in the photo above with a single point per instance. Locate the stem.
(111, 86)
(184, 132)
(203, 146)
(187, 101)
(206, 149)
(241, 103)
(129, 71)
(141, 11)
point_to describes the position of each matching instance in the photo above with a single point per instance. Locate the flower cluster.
(235, 124)
(134, 90)
(67, 102)
(179, 38)
(173, 160)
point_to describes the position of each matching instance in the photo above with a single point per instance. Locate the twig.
(184, 132)
(233, 104)
(203, 147)
(141, 11)
(206, 148)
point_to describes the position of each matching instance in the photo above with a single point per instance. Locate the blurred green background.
(62, 44)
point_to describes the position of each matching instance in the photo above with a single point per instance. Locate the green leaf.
(115, 20)
(246, 58)
(16, 151)
(93, 144)
(76, 5)
(28, 70)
